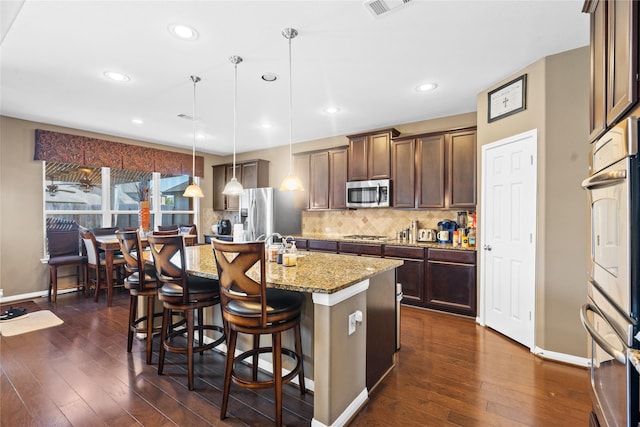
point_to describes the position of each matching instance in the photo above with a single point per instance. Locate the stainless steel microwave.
(369, 194)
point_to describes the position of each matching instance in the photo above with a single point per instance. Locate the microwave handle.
(378, 194)
(614, 352)
(604, 179)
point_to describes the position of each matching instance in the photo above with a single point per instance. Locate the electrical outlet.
(352, 323)
(1, 293)
(354, 319)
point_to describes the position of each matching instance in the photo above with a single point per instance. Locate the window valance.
(81, 150)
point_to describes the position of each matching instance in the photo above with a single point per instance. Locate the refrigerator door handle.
(252, 216)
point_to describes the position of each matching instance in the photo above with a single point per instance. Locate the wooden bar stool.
(249, 307)
(182, 293)
(141, 282)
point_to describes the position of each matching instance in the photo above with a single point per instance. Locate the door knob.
(487, 247)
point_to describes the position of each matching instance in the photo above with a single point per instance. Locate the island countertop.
(316, 272)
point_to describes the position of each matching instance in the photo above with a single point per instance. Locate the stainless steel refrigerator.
(264, 211)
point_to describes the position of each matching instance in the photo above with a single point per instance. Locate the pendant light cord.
(195, 79)
(235, 109)
(290, 113)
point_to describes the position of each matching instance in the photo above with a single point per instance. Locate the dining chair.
(171, 232)
(249, 307)
(168, 227)
(180, 292)
(64, 251)
(141, 282)
(192, 230)
(97, 264)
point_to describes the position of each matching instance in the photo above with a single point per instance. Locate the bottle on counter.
(281, 251)
(472, 238)
(414, 231)
(455, 241)
(290, 256)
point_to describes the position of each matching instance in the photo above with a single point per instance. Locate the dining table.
(110, 244)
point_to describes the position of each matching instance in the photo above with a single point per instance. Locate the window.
(80, 194)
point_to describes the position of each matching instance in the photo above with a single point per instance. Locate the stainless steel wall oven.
(612, 313)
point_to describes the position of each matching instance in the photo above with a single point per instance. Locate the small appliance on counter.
(446, 227)
(224, 227)
(427, 235)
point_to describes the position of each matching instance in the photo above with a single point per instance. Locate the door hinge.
(529, 315)
(530, 237)
(531, 158)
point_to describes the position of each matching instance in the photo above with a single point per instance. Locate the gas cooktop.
(365, 237)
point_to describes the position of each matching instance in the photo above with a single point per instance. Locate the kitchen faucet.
(278, 235)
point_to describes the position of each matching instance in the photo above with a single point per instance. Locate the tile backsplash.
(379, 221)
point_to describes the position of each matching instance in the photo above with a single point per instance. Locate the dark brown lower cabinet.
(451, 281)
(411, 273)
(440, 279)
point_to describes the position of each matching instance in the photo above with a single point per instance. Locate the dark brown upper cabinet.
(614, 62)
(434, 171)
(403, 170)
(301, 169)
(326, 179)
(461, 169)
(251, 174)
(370, 155)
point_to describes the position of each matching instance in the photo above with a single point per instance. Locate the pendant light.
(291, 182)
(233, 187)
(193, 190)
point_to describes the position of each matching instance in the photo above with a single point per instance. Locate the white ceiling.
(54, 54)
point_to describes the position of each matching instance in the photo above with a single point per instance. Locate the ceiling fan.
(84, 181)
(54, 188)
(86, 185)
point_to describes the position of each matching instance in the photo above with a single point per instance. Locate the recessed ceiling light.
(137, 121)
(269, 77)
(265, 125)
(115, 76)
(332, 110)
(426, 87)
(183, 31)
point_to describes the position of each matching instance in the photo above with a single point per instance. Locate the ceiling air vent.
(382, 7)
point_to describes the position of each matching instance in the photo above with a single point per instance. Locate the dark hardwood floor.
(450, 372)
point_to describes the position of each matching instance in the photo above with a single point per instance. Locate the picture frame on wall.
(508, 99)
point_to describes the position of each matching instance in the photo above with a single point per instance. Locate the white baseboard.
(562, 357)
(348, 413)
(31, 295)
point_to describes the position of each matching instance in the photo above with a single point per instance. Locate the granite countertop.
(394, 242)
(316, 272)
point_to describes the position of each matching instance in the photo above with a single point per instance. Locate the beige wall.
(557, 105)
(22, 204)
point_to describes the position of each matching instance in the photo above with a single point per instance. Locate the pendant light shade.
(291, 182)
(233, 187)
(193, 190)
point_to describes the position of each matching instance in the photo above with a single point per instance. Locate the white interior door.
(508, 221)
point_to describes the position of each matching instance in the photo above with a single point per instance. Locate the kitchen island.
(338, 365)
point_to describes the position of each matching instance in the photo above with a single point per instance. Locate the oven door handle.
(604, 178)
(602, 342)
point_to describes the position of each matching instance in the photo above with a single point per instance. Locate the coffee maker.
(446, 226)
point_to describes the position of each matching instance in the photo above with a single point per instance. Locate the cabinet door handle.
(487, 247)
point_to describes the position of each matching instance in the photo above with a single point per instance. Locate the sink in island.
(340, 368)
